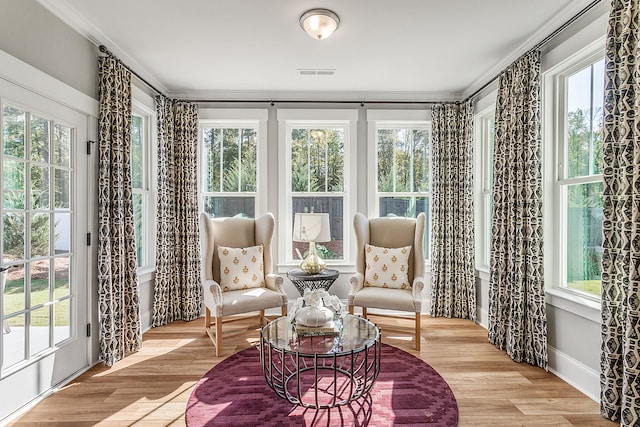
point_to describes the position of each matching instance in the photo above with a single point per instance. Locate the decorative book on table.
(329, 328)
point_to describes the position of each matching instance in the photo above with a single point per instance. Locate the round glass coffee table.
(321, 371)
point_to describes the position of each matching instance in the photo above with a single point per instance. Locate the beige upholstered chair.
(390, 232)
(236, 233)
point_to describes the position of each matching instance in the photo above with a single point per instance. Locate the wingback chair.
(242, 247)
(387, 248)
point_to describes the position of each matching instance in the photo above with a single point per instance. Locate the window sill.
(146, 274)
(483, 273)
(574, 303)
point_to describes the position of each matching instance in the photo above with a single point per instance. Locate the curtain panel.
(517, 311)
(620, 358)
(178, 292)
(453, 279)
(118, 298)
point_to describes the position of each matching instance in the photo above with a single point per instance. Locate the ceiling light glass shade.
(319, 23)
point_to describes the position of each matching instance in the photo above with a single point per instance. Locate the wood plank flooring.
(152, 386)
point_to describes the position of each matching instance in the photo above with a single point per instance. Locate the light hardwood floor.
(152, 386)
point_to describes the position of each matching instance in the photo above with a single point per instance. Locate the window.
(141, 183)
(39, 211)
(401, 155)
(486, 132)
(230, 165)
(579, 172)
(317, 175)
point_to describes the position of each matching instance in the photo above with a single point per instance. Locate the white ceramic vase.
(313, 316)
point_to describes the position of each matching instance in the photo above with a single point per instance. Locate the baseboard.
(482, 317)
(575, 373)
(145, 321)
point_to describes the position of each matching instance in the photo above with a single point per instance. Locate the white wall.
(32, 34)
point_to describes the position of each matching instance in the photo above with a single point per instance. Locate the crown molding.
(557, 21)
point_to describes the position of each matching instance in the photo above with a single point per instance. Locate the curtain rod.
(273, 102)
(106, 51)
(541, 43)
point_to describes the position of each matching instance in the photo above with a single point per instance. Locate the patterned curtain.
(517, 311)
(118, 299)
(177, 292)
(620, 359)
(453, 279)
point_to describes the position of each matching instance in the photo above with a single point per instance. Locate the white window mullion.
(221, 162)
(241, 139)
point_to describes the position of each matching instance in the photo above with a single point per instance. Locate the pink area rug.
(408, 392)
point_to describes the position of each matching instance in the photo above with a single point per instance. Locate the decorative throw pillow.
(387, 267)
(241, 268)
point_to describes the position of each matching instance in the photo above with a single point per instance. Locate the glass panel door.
(44, 295)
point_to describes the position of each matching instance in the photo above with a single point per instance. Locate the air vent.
(318, 72)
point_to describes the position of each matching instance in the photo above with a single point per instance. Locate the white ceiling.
(252, 49)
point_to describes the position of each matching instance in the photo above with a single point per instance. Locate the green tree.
(317, 160)
(230, 163)
(584, 155)
(14, 164)
(403, 160)
(386, 143)
(584, 158)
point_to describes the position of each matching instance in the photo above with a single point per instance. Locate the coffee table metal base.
(333, 379)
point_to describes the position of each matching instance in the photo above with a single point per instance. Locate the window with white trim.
(230, 151)
(141, 185)
(400, 163)
(317, 175)
(486, 129)
(580, 94)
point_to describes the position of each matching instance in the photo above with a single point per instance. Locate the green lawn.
(14, 301)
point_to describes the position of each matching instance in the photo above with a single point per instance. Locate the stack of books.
(328, 328)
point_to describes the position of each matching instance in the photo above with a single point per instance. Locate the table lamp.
(312, 227)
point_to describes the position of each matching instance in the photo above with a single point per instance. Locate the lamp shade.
(311, 227)
(319, 23)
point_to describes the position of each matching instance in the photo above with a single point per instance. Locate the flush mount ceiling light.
(319, 23)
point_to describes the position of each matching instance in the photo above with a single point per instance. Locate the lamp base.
(312, 264)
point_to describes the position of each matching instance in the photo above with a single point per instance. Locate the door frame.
(30, 86)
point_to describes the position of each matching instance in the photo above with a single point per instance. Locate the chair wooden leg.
(215, 337)
(418, 331)
(218, 336)
(364, 312)
(284, 310)
(262, 319)
(351, 309)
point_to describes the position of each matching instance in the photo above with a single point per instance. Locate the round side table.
(302, 280)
